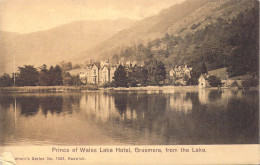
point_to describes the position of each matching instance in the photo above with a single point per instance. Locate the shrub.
(234, 84)
(214, 81)
(109, 84)
(250, 82)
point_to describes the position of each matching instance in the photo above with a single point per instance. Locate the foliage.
(204, 69)
(6, 81)
(230, 42)
(28, 76)
(142, 75)
(250, 82)
(67, 79)
(76, 66)
(43, 76)
(120, 79)
(75, 80)
(57, 79)
(234, 84)
(66, 66)
(50, 77)
(108, 84)
(137, 76)
(156, 72)
(194, 26)
(214, 81)
(132, 77)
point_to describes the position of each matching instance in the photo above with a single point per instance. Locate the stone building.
(97, 73)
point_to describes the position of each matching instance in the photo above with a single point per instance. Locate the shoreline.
(64, 89)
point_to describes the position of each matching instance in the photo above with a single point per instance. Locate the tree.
(76, 66)
(43, 76)
(75, 80)
(141, 75)
(6, 81)
(67, 79)
(28, 76)
(160, 73)
(57, 79)
(250, 82)
(203, 69)
(156, 72)
(66, 66)
(214, 81)
(51, 76)
(120, 79)
(132, 77)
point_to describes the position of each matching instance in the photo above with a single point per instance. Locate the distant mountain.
(60, 43)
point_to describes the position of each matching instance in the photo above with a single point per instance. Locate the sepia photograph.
(112, 78)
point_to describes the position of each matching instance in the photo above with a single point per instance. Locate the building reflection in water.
(154, 117)
(180, 102)
(164, 117)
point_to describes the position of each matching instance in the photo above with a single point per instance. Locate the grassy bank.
(52, 89)
(151, 88)
(34, 89)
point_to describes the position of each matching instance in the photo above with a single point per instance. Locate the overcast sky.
(25, 16)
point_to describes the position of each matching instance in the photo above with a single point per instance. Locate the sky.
(26, 16)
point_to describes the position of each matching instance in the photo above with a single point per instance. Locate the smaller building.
(203, 81)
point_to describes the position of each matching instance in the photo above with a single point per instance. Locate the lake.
(160, 117)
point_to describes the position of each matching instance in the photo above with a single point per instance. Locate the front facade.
(97, 73)
(104, 74)
(100, 73)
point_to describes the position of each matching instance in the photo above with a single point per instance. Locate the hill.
(220, 33)
(60, 43)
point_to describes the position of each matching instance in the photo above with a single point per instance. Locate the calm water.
(144, 117)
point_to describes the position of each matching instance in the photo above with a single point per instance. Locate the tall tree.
(51, 76)
(43, 76)
(203, 69)
(141, 75)
(67, 79)
(156, 72)
(120, 79)
(28, 76)
(58, 75)
(160, 73)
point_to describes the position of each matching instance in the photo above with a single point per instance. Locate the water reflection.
(175, 117)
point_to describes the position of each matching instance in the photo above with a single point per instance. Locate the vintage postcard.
(129, 82)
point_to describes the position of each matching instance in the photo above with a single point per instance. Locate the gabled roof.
(204, 76)
(105, 66)
(92, 64)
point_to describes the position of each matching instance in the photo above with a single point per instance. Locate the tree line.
(152, 73)
(28, 75)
